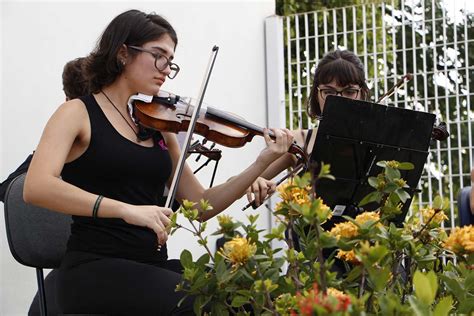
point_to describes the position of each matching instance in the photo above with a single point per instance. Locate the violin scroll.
(440, 132)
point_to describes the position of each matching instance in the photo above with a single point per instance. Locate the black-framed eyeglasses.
(349, 92)
(161, 61)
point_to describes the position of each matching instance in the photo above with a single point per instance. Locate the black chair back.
(37, 237)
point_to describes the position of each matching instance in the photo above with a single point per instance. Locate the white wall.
(38, 38)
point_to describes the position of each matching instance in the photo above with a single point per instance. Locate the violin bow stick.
(189, 133)
(393, 89)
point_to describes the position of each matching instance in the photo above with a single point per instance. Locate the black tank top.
(120, 169)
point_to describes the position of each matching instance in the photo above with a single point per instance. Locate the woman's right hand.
(259, 190)
(151, 216)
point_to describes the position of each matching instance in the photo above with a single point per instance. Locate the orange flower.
(332, 302)
(349, 229)
(348, 256)
(461, 240)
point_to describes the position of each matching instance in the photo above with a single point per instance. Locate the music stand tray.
(353, 135)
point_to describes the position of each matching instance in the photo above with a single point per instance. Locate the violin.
(173, 114)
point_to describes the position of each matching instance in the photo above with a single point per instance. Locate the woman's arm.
(287, 160)
(65, 137)
(223, 195)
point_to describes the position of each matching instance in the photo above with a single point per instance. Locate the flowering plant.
(358, 266)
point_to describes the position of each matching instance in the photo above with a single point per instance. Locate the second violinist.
(91, 164)
(338, 73)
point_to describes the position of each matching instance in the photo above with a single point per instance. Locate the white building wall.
(38, 38)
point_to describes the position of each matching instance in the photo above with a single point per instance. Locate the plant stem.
(185, 228)
(362, 283)
(416, 234)
(204, 243)
(268, 298)
(322, 267)
(294, 267)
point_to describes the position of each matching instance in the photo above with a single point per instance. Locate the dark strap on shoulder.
(308, 137)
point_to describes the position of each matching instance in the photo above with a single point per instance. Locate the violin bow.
(289, 174)
(189, 132)
(393, 89)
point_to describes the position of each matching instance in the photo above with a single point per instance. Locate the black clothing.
(20, 170)
(122, 170)
(111, 266)
(116, 286)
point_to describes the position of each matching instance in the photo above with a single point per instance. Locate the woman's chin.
(152, 91)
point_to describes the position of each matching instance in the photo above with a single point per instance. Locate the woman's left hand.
(275, 148)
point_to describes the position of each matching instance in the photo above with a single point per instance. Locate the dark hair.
(74, 82)
(132, 27)
(341, 65)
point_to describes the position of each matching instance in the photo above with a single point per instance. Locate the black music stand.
(353, 136)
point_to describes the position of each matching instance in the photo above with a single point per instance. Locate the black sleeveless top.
(120, 169)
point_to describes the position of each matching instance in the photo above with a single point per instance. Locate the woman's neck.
(118, 92)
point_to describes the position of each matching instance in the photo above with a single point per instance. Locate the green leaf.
(186, 259)
(199, 303)
(405, 166)
(469, 282)
(371, 197)
(218, 308)
(220, 269)
(437, 202)
(419, 309)
(426, 286)
(382, 163)
(238, 301)
(203, 260)
(374, 183)
(443, 307)
(327, 241)
(466, 306)
(452, 283)
(244, 293)
(390, 187)
(402, 194)
(379, 277)
(392, 174)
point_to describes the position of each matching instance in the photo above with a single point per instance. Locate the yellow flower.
(348, 256)
(428, 212)
(238, 250)
(345, 230)
(461, 240)
(290, 193)
(367, 216)
(225, 222)
(400, 182)
(393, 164)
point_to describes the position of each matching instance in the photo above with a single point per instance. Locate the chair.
(36, 236)
(464, 206)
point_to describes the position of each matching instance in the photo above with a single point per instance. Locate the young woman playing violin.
(90, 164)
(339, 73)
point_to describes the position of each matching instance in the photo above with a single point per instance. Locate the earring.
(123, 62)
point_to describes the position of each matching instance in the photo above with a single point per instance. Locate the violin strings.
(128, 123)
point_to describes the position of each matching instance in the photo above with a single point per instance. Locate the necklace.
(128, 123)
